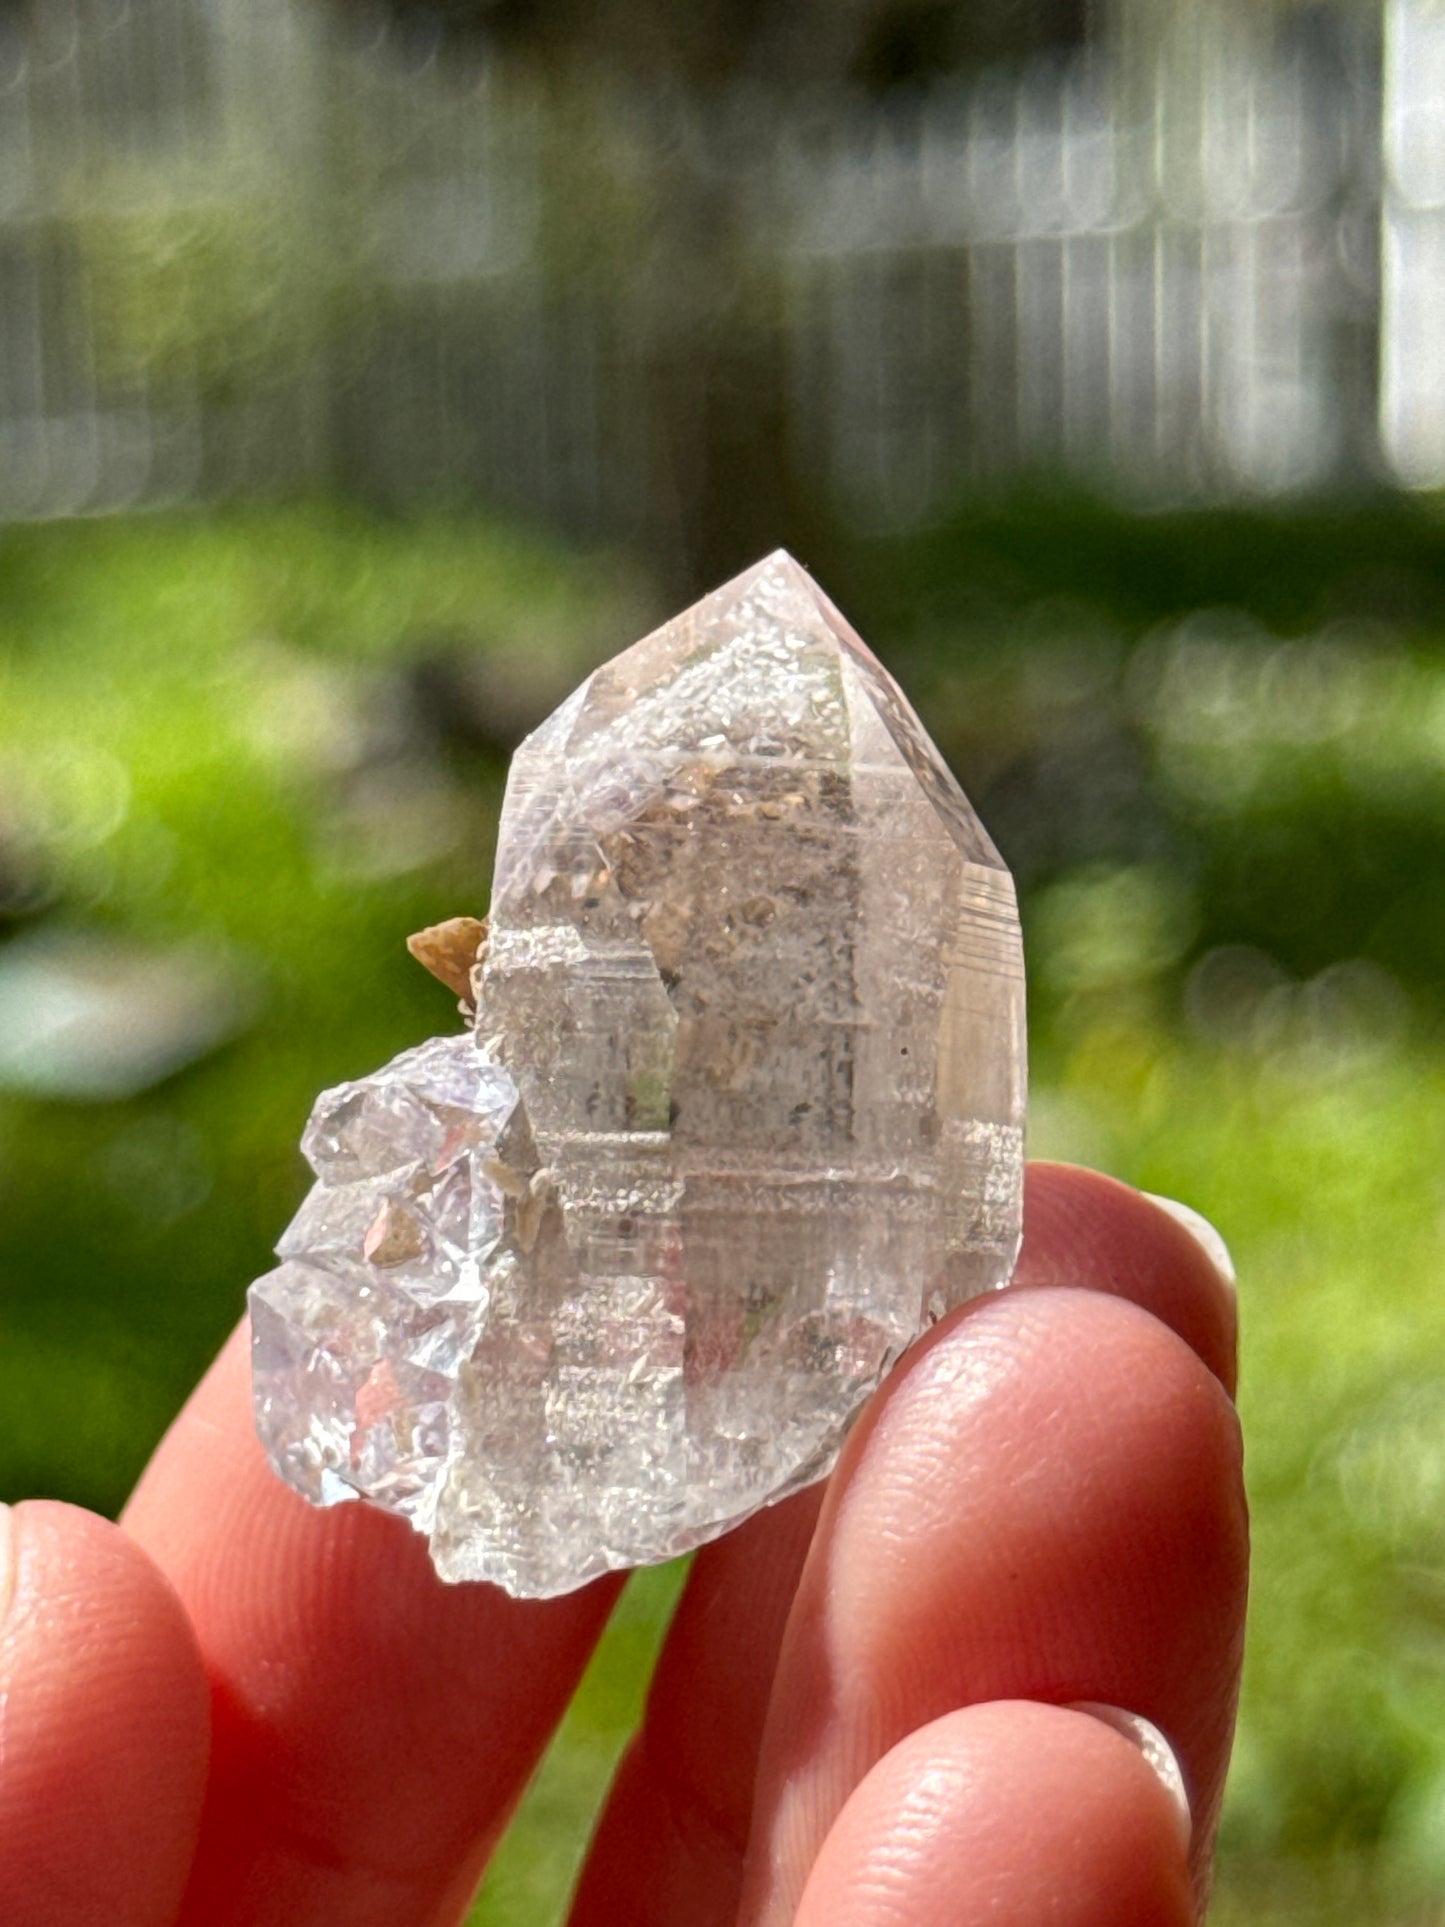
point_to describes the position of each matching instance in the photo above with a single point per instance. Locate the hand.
(235, 1711)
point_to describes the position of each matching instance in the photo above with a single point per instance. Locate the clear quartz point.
(741, 1115)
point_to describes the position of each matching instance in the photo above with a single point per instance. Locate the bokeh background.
(370, 370)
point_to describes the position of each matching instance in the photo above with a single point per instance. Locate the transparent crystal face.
(742, 1114)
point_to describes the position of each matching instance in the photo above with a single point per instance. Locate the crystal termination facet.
(741, 1114)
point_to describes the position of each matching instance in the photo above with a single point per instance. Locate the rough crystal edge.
(462, 1570)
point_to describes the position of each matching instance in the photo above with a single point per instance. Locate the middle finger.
(1044, 1503)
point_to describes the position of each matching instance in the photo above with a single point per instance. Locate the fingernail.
(8, 1560)
(1202, 1232)
(1156, 1750)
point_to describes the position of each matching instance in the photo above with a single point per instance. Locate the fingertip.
(1082, 1228)
(1158, 1755)
(1202, 1232)
(106, 1727)
(1010, 1812)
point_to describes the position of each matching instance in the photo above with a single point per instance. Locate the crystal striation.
(741, 1114)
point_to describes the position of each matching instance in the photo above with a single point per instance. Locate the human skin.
(232, 1710)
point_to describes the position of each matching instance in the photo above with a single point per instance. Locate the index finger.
(372, 1728)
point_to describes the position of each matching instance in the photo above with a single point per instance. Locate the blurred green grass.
(1213, 747)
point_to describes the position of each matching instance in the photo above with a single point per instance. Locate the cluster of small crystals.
(742, 1113)
(361, 1333)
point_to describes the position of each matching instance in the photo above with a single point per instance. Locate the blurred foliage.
(1212, 745)
(1246, 706)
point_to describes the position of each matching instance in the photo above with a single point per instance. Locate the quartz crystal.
(740, 1115)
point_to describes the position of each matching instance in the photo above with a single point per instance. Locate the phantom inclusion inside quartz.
(741, 1114)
